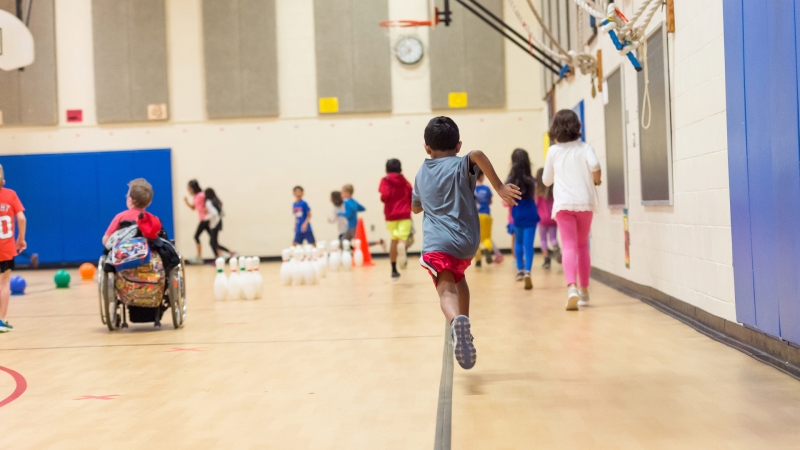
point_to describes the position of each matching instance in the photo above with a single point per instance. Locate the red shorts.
(438, 262)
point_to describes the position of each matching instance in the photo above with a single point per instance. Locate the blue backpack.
(130, 254)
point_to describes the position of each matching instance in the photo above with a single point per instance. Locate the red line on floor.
(22, 385)
(98, 397)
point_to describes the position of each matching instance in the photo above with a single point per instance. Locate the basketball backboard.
(16, 43)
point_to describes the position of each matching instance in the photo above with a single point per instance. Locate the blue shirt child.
(301, 209)
(483, 197)
(351, 210)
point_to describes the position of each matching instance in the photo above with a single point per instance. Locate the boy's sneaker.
(572, 299)
(5, 327)
(546, 264)
(520, 275)
(195, 260)
(478, 264)
(395, 276)
(583, 299)
(488, 256)
(528, 281)
(35, 260)
(226, 256)
(402, 255)
(410, 240)
(462, 342)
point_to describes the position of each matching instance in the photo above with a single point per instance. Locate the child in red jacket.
(396, 196)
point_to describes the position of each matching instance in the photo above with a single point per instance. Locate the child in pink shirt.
(548, 228)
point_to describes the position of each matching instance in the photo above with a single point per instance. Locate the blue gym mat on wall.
(70, 198)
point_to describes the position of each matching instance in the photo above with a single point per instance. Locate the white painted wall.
(683, 250)
(253, 164)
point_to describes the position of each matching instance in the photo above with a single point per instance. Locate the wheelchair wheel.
(177, 296)
(113, 313)
(101, 301)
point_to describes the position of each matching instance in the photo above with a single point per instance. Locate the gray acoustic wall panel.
(656, 140)
(614, 112)
(468, 56)
(353, 54)
(130, 58)
(241, 58)
(30, 96)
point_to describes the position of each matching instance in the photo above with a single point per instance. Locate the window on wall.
(655, 128)
(569, 25)
(614, 112)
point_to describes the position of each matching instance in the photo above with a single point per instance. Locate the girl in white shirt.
(338, 207)
(214, 219)
(572, 169)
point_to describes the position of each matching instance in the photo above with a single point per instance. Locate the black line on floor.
(156, 344)
(445, 408)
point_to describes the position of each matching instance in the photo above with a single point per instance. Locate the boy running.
(444, 190)
(302, 218)
(483, 198)
(10, 208)
(396, 197)
(351, 210)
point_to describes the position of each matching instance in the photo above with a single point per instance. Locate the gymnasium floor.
(356, 362)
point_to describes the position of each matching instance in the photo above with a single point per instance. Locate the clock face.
(409, 50)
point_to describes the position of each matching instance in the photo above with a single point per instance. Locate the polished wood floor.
(355, 363)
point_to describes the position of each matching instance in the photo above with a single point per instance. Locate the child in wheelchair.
(138, 252)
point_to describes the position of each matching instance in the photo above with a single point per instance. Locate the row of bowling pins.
(303, 265)
(308, 264)
(245, 281)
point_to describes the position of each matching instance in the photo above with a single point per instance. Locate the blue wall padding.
(737, 163)
(579, 110)
(70, 198)
(764, 162)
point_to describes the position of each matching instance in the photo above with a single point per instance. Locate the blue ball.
(18, 285)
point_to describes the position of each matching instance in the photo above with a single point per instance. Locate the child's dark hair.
(442, 134)
(566, 127)
(140, 192)
(543, 191)
(336, 198)
(195, 187)
(299, 187)
(393, 166)
(520, 174)
(212, 196)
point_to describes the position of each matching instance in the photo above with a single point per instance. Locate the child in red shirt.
(140, 195)
(396, 197)
(10, 208)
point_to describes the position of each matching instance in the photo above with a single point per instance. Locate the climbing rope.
(647, 106)
(532, 39)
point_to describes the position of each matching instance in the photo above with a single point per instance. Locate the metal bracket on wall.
(474, 6)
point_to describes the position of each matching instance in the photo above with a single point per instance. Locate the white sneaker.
(572, 299)
(583, 299)
(402, 255)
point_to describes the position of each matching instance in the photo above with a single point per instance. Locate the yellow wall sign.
(329, 105)
(457, 99)
(546, 144)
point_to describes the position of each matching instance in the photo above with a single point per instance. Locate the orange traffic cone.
(361, 234)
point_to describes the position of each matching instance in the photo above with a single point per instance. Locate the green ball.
(62, 279)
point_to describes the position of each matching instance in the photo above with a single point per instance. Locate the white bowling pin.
(297, 267)
(286, 267)
(249, 285)
(358, 254)
(243, 277)
(257, 276)
(322, 261)
(309, 273)
(347, 257)
(220, 282)
(234, 284)
(335, 258)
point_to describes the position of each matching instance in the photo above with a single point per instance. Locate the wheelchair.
(116, 306)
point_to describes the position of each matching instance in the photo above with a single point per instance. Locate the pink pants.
(574, 227)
